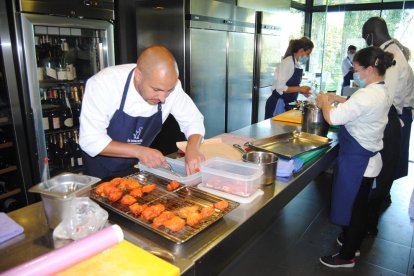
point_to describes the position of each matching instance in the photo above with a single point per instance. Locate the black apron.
(127, 129)
(273, 105)
(407, 118)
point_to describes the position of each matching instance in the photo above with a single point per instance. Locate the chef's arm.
(193, 155)
(324, 102)
(305, 90)
(149, 157)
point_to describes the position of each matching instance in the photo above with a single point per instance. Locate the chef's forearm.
(119, 149)
(194, 142)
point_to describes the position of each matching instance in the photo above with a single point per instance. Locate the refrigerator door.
(58, 56)
(208, 77)
(240, 80)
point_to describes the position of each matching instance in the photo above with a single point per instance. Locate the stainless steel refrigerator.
(60, 44)
(213, 43)
(268, 55)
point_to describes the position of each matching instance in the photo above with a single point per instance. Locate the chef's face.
(364, 73)
(154, 87)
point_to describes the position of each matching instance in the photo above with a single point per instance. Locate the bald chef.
(123, 110)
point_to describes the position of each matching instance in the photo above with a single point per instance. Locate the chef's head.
(156, 74)
(375, 31)
(301, 48)
(369, 63)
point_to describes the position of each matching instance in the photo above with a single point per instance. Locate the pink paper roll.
(71, 254)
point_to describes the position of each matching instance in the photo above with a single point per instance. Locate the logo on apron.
(136, 137)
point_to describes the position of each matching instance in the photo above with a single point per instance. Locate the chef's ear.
(137, 74)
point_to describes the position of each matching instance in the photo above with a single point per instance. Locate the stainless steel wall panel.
(270, 56)
(208, 77)
(240, 80)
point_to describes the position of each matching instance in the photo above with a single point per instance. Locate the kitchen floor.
(302, 233)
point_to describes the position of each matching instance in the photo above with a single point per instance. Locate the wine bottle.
(70, 146)
(66, 115)
(54, 118)
(45, 119)
(50, 149)
(76, 108)
(77, 150)
(3, 162)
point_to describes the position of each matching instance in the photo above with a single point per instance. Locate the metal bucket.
(313, 121)
(58, 192)
(267, 161)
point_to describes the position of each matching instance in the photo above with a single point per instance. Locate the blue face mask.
(358, 81)
(303, 59)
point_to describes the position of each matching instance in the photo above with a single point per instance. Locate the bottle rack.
(58, 98)
(9, 188)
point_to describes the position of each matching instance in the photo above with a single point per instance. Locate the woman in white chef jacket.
(362, 119)
(288, 76)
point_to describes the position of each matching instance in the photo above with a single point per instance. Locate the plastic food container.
(57, 193)
(178, 166)
(233, 177)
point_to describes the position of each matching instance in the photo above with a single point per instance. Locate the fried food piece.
(158, 221)
(185, 211)
(221, 205)
(128, 200)
(137, 192)
(149, 188)
(137, 209)
(152, 211)
(115, 194)
(122, 185)
(99, 190)
(207, 212)
(132, 183)
(194, 218)
(174, 224)
(116, 181)
(109, 189)
(173, 185)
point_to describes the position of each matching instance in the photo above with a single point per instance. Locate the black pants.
(390, 156)
(354, 233)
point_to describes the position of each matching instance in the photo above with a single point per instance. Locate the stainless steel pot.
(313, 121)
(266, 160)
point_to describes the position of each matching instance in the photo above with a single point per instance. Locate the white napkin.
(8, 228)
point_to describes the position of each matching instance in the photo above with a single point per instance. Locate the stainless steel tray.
(289, 145)
(184, 196)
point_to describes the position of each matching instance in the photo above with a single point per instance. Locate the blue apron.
(127, 129)
(277, 103)
(350, 167)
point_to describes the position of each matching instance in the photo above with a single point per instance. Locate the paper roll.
(71, 254)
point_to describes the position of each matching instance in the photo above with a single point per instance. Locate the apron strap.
(121, 107)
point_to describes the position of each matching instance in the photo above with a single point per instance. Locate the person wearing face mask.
(400, 81)
(347, 69)
(288, 76)
(123, 110)
(362, 119)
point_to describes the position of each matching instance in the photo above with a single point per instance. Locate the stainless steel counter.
(205, 254)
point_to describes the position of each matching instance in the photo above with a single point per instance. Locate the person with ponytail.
(288, 76)
(362, 119)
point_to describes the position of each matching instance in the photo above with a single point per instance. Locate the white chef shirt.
(365, 115)
(346, 65)
(399, 78)
(103, 94)
(283, 72)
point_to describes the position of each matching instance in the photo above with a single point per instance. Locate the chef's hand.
(305, 90)
(151, 158)
(193, 160)
(322, 98)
